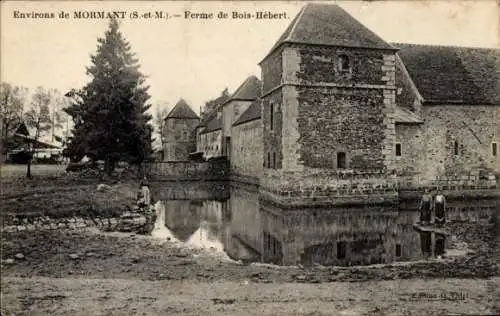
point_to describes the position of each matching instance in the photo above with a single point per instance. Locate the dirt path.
(81, 296)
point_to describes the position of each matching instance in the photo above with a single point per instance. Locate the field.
(12, 171)
(90, 272)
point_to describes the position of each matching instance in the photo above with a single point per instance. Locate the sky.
(196, 59)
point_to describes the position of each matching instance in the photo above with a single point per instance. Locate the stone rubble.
(128, 222)
(19, 256)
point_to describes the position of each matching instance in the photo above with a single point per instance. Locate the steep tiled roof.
(207, 118)
(405, 116)
(252, 113)
(213, 125)
(453, 75)
(22, 130)
(249, 90)
(183, 111)
(329, 24)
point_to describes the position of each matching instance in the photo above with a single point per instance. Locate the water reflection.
(247, 230)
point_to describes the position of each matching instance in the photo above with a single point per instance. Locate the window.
(341, 249)
(398, 250)
(341, 160)
(398, 149)
(274, 160)
(494, 149)
(343, 63)
(269, 160)
(456, 147)
(271, 116)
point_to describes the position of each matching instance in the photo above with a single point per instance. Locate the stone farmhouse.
(336, 102)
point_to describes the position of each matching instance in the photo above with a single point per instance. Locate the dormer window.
(344, 64)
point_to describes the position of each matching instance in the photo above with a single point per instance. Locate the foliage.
(214, 103)
(160, 114)
(110, 113)
(39, 119)
(12, 100)
(58, 116)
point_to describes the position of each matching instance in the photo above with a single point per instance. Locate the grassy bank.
(58, 196)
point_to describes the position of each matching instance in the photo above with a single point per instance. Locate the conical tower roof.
(330, 25)
(182, 110)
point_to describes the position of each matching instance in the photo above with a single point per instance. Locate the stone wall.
(247, 150)
(457, 200)
(272, 137)
(40, 223)
(349, 111)
(333, 120)
(211, 144)
(313, 187)
(212, 170)
(180, 138)
(428, 150)
(231, 112)
(318, 64)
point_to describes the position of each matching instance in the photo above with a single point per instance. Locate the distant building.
(233, 108)
(18, 145)
(179, 130)
(210, 135)
(247, 145)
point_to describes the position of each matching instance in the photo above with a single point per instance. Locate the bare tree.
(38, 117)
(57, 115)
(12, 99)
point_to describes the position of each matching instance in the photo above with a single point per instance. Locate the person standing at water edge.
(149, 212)
(146, 193)
(439, 207)
(425, 207)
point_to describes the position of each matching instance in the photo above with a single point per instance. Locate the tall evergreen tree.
(111, 122)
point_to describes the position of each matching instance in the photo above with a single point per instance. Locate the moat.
(230, 218)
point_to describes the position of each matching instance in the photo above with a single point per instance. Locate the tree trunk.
(28, 169)
(106, 166)
(109, 166)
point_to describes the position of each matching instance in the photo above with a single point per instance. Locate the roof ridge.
(244, 84)
(443, 46)
(328, 24)
(241, 86)
(182, 109)
(299, 17)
